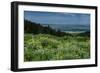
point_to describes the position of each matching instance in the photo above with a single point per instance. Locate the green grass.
(43, 47)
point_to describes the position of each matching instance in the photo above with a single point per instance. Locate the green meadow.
(42, 47)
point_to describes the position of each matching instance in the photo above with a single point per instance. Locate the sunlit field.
(42, 47)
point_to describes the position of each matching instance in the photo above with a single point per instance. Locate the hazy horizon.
(60, 21)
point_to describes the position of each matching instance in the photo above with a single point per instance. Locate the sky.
(57, 17)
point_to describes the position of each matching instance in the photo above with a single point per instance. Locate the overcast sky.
(57, 17)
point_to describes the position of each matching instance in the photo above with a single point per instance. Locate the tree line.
(36, 28)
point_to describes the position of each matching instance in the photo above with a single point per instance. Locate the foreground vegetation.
(45, 43)
(40, 47)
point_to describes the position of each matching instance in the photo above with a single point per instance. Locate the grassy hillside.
(40, 47)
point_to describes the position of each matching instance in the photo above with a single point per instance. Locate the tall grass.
(42, 47)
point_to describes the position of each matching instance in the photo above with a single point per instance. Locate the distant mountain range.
(57, 30)
(69, 27)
